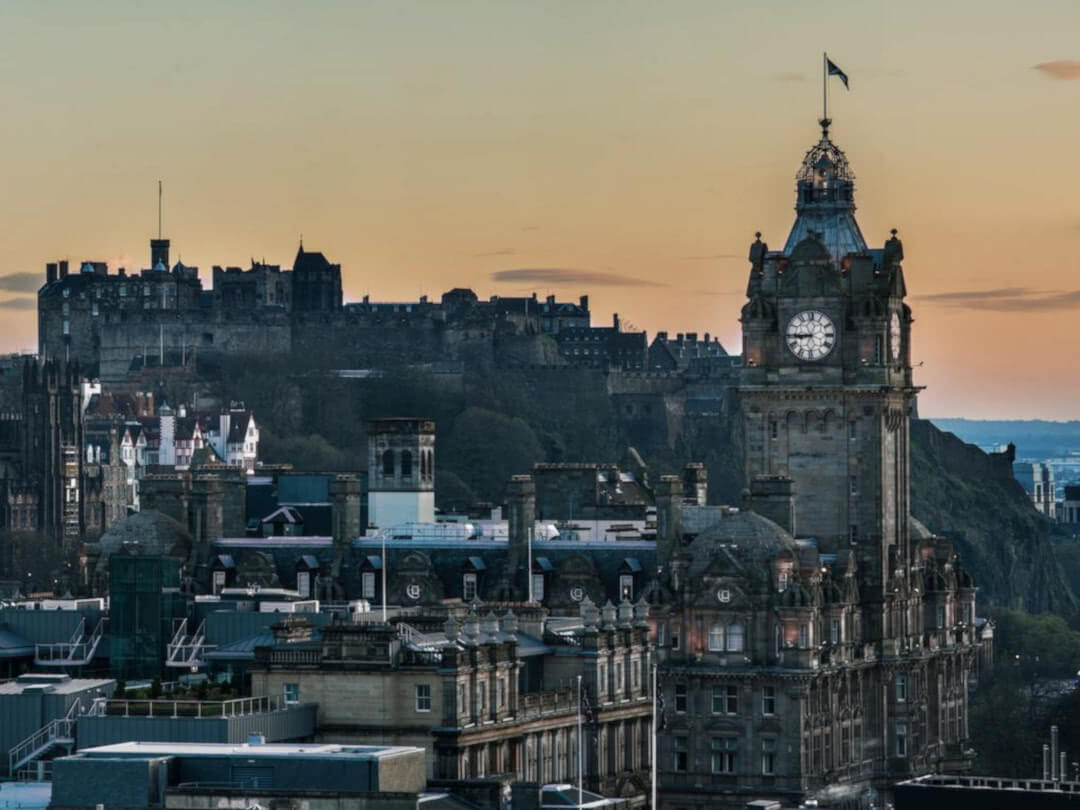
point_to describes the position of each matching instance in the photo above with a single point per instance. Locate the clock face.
(811, 335)
(894, 336)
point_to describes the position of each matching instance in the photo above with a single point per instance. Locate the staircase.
(186, 649)
(59, 732)
(76, 652)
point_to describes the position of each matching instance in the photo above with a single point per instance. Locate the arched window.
(388, 462)
(735, 638)
(423, 465)
(716, 638)
(406, 463)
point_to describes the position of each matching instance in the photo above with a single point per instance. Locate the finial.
(825, 123)
(757, 235)
(893, 231)
(301, 243)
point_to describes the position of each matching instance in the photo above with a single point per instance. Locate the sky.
(625, 150)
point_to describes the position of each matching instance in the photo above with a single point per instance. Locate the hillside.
(971, 497)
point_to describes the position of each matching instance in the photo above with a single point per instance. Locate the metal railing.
(164, 707)
(60, 731)
(410, 635)
(78, 651)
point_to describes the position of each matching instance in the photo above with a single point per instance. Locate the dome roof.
(747, 538)
(147, 533)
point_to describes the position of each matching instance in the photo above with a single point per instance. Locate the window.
(782, 580)
(462, 699)
(845, 745)
(675, 637)
(661, 635)
(834, 631)
(941, 616)
(773, 430)
(618, 676)
(724, 751)
(292, 693)
(423, 697)
(406, 463)
(219, 581)
(768, 756)
(879, 350)
(626, 587)
(481, 698)
(852, 430)
(680, 748)
(500, 693)
(735, 638)
(716, 638)
(725, 699)
(367, 585)
(388, 462)
(603, 678)
(468, 589)
(768, 700)
(680, 698)
(853, 533)
(538, 587)
(901, 687)
(901, 739)
(804, 636)
(303, 584)
(853, 485)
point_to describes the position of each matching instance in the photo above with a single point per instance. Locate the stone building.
(1038, 481)
(818, 641)
(492, 690)
(401, 471)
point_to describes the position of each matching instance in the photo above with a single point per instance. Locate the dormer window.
(468, 587)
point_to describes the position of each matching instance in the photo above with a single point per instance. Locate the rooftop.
(54, 684)
(247, 751)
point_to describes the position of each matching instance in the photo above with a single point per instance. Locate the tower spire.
(158, 209)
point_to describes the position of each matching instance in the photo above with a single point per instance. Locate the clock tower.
(826, 390)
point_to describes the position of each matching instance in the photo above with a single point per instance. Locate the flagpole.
(579, 749)
(653, 741)
(824, 86)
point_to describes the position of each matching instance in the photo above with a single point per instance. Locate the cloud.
(21, 282)
(787, 76)
(716, 292)
(570, 275)
(530, 227)
(1006, 299)
(1068, 69)
(502, 252)
(19, 303)
(710, 258)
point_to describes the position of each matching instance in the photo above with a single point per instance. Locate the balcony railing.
(237, 707)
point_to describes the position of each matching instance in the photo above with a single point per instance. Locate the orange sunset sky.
(627, 150)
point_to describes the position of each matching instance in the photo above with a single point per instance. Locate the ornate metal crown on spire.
(824, 156)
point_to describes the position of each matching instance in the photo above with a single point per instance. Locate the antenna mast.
(158, 209)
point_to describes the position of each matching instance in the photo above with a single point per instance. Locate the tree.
(485, 448)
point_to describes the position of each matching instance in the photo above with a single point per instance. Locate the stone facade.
(481, 693)
(817, 643)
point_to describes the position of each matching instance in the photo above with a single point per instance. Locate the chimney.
(669, 494)
(615, 321)
(63, 268)
(521, 520)
(584, 302)
(773, 497)
(50, 272)
(551, 299)
(695, 484)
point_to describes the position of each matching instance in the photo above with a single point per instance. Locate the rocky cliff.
(962, 493)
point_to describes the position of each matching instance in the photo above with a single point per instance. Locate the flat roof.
(53, 684)
(247, 751)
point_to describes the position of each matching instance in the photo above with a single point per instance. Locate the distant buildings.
(1038, 481)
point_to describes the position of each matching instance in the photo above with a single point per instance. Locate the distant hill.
(1035, 438)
